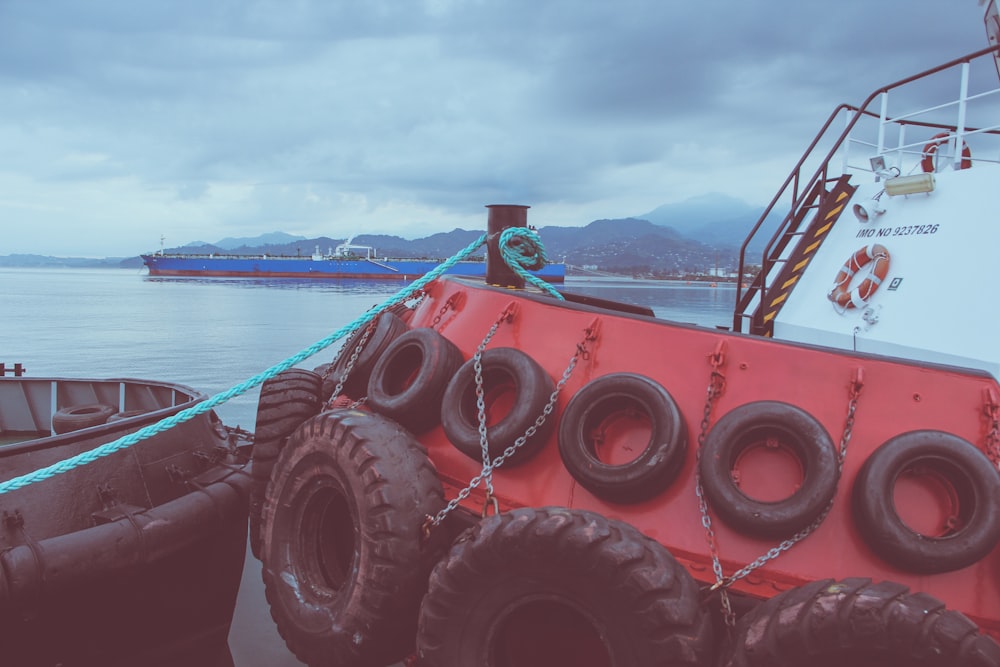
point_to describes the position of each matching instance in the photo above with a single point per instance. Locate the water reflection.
(339, 285)
(212, 333)
(707, 304)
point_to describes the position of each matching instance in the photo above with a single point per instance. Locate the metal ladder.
(789, 253)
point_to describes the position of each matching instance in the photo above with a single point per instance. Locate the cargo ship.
(344, 261)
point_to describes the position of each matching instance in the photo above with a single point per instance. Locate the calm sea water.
(212, 334)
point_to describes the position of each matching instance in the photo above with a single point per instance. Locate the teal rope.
(513, 257)
(529, 253)
(167, 423)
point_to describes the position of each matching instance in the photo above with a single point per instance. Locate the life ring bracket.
(842, 294)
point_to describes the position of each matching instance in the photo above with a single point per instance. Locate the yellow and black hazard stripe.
(828, 213)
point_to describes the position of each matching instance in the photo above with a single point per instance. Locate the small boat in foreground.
(133, 559)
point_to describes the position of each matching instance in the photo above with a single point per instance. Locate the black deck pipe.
(501, 217)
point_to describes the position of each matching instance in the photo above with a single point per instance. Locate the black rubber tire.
(388, 327)
(972, 477)
(402, 311)
(324, 371)
(796, 430)
(555, 586)
(613, 395)
(127, 414)
(855, 622)
(77, 417)
(286, 400)
(409, 379)
(344, 563)
(533, 388)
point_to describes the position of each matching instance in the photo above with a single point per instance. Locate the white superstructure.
(915, 170)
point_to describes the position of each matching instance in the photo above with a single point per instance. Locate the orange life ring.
(842, 294)
(931, 148)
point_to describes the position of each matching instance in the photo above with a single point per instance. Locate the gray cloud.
(122, 121)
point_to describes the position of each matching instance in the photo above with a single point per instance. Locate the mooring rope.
(522, 249)
(528, 252)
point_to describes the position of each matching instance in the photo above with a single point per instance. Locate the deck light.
(908, 185)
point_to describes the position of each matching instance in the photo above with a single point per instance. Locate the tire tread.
(828, 623)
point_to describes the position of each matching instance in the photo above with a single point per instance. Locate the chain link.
(486, 474)
(722, 583)
(477, 364)
(445, 307)
(417, 296)
(852, 406)
(358, 349)
(991, 409)
(716, 385)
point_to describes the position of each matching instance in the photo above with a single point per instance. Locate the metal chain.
(350, 366)
(581, 352)
(852, 406)
(991, 409)
(445, 307)
(477, 364)
(722, 582)
(418, 295)
(716, 385)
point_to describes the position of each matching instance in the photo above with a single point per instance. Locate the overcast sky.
(125, 120)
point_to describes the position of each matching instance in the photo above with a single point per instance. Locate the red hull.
(896, 397)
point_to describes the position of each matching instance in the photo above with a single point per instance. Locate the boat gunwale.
(100, 432)
(539, 297)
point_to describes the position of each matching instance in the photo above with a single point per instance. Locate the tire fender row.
(342, 497)
(417, 378)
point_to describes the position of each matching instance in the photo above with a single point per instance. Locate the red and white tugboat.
(534, 481)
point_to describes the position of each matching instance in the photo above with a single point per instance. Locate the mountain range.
(695, 236)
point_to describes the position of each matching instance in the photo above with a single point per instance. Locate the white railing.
(971, 121)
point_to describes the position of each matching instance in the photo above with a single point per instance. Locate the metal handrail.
(800, 194)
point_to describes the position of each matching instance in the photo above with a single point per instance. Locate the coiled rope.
(527, 251)
(522, 249)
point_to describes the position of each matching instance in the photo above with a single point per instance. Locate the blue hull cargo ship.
(346, 261)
